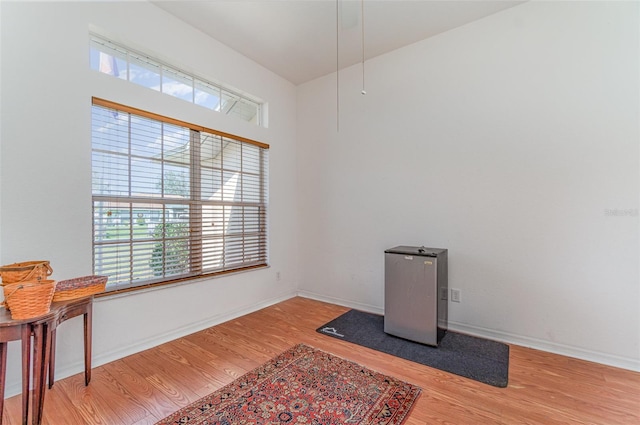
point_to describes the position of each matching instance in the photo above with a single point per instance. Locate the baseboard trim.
(538, 344)
(14, 388)
(340, 301)
(67, 370)
(524, 341)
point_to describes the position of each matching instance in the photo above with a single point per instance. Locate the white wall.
(511, 141)
(46, 170)
(505, 141)
(1, 133)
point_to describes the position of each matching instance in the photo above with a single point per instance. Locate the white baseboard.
(555, 348)
(524, 341)
(14, 388)
(340, 301)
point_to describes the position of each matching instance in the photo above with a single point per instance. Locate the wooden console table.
(43, 329)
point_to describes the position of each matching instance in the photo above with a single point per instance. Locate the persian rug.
(479, 359)
(304, 386)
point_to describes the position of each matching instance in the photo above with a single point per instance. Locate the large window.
(173, 200)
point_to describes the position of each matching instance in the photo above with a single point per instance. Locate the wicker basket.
(79, 287)
(29, 299)
(27, 271)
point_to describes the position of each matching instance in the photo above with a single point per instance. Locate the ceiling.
(296, 39)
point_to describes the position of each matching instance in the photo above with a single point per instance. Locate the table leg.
(37, 368)
(41, 333)
(26, 369)
(87, 343)
(52, 359)
(45, 351)
(3, 373)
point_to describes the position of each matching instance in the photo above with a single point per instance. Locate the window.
(124, 63)
(173, 200)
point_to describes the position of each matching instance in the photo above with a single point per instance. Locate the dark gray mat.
(475, 358)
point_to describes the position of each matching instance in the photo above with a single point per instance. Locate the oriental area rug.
(304, 386)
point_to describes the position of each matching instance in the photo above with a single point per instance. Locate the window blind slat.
(171, 202)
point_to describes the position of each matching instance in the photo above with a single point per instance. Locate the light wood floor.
(143, 388)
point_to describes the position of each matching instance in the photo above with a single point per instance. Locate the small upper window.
(127, 64)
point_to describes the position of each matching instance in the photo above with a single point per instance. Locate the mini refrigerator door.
(411, 294)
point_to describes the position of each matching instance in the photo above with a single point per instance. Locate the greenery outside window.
(172, 200)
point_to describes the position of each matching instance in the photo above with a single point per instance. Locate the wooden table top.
(7, 321)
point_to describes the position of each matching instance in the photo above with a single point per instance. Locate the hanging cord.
(337, 66)
(362, 21)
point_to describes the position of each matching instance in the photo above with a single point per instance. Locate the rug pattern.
(304, 386)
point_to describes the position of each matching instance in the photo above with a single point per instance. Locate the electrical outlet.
(277, 275)
(456, 296)
(443, 294)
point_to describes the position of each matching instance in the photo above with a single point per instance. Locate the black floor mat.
(475, 358)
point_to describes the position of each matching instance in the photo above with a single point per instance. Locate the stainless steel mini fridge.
(415, 293)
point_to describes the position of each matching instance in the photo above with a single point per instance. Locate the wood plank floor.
(143, 388)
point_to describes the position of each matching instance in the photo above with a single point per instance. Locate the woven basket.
(29, 299)
(79, 287)
(27, 271)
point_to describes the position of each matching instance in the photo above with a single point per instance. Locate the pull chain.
(364, 92)
(337, 66)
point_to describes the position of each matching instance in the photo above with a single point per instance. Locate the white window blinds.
(172, 200)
